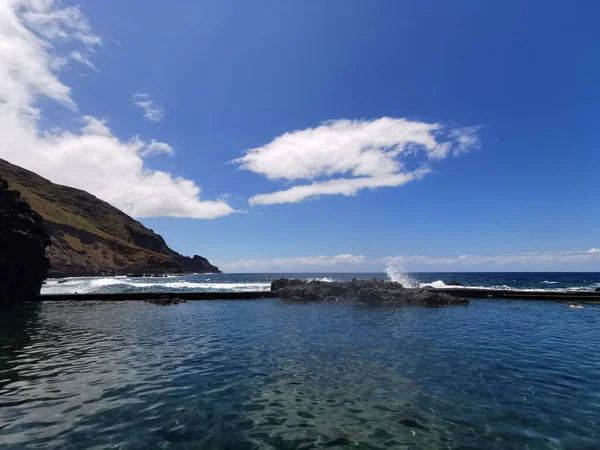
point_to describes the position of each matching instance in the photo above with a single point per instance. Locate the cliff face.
(91, 237)
(23, 242)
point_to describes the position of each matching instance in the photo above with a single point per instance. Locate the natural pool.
(268, 374)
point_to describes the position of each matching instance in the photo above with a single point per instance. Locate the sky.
(327, 136)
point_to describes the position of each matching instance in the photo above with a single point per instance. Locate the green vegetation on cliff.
(91, 237)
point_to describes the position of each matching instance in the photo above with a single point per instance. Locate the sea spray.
(326, 279)
(398, 275)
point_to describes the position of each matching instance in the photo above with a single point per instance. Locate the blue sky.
(499, 100)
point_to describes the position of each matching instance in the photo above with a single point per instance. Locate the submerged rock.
(165, 300)
(23, 242)
(364, 291)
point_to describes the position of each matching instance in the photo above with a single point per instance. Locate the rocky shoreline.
(362, 291)
(53, 231)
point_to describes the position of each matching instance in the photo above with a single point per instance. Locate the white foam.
(398, 275)
(549, 282)
(107, 282)
(209, 286)
(439, 284)
(71, 285)
(435, 284)
(89, 285)
(326, 279)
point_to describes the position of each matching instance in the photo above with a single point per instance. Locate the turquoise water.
(266, 374)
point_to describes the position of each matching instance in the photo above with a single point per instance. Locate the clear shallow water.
(262, 281)
(267, 374)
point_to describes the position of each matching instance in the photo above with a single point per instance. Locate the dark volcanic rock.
(597, 290)
(23, 242)
(165, 300)
(454, 283)
(364, 291)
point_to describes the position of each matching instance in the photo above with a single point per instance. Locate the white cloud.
(292, 264)
(156, 148)
(77, 56)
(465, 138)
(53, 22)
(514, 259)
(25, 66)
(371, 151)
(152, 111)
(92, 159)
(578, 259)
(94, 126)
(344, 186)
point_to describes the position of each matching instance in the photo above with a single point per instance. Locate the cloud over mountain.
(37, 42)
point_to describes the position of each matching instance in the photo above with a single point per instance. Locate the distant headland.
(89, 237)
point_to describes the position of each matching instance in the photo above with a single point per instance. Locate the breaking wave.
(435, 284)
(327, 279)
(398, 275)
(439, 284)
(122, 284)
(262, 282)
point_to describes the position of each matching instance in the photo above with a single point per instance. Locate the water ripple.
(264, 375)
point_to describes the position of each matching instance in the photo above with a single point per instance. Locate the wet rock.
(412, 423)
(454, 283)
(363, 291)
(135, 275)
(597, 290)
(166, 300)
(23, 242)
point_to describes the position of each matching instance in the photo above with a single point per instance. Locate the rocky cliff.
(91, 237)
(23, 242)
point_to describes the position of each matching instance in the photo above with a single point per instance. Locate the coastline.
(482, 294)
(57, 274)
(144, 296)
(564, 296)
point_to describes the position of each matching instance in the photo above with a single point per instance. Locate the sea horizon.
(261, 281)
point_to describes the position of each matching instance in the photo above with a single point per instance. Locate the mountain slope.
(91, 237)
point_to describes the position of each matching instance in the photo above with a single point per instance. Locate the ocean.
(270, 374)
(262, 281)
